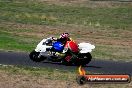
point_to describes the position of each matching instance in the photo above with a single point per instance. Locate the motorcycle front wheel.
(83, 59)
(34, 56)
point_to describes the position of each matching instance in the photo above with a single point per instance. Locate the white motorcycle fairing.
(41, 47)
(84, 47)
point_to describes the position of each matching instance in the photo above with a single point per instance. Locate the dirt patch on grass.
(9, 80)
(97, 36)
(87, 3)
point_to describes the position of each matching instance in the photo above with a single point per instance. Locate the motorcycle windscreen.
(58, 46)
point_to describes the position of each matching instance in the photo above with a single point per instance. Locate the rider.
(64, 37)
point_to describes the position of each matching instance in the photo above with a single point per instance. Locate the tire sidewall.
(34, 56)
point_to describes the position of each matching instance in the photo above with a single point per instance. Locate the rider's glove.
(51, 38)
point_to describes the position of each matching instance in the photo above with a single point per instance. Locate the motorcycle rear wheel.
(83, 59)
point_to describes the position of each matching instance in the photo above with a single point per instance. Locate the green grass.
(47, 73)
(112, 52)
(16, 43)
(30, 74)
(45, 14)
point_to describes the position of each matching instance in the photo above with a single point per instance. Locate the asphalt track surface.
(97, 66)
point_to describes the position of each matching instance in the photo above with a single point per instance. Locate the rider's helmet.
(64, 35)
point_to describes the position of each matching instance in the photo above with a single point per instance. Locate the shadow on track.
(93, 66)
(59, 63)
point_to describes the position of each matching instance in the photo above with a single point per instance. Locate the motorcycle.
(69, 54)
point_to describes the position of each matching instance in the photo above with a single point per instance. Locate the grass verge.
(27, 77)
